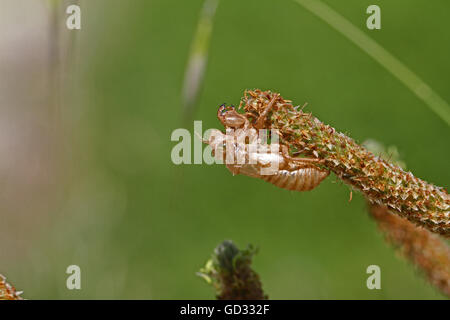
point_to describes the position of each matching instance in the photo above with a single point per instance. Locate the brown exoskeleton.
(242, 143)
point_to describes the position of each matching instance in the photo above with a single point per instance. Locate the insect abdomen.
(303, 179)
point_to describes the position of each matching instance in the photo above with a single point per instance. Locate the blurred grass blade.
(196, 66)
(54, 62)
(381, 55)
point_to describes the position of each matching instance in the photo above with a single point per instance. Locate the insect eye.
(223, 109)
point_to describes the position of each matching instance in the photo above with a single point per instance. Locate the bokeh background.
(86, 117)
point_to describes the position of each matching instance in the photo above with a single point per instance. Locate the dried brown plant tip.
(229, 271)
(7, 291)
(424, 249)
(381, 182)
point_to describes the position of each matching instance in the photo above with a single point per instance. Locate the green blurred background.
(140, 227)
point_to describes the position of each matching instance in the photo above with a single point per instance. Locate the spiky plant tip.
(7, 291)
(229, 272)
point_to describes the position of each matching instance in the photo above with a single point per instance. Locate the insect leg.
(286, 155)
(259, 124)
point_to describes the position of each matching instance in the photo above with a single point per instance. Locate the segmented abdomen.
(303, 179)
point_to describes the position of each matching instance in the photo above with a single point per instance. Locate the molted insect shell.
(303, 179)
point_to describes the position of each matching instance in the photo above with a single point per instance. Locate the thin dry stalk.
(427, 251)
